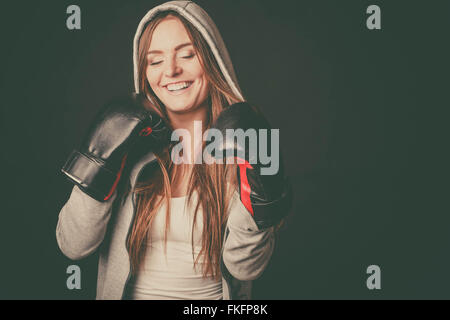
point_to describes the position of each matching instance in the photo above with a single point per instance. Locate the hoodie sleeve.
(82, 224)
(247, 248)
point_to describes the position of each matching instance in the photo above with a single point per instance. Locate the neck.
(186, 121)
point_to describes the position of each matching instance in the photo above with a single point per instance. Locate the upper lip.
(165, 85)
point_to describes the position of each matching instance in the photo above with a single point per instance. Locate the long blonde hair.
(209, 180)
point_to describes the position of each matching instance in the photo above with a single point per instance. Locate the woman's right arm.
(82, 224)
(96, 167)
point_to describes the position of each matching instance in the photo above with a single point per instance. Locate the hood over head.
(207, 28)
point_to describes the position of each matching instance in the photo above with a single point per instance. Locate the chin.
(183, 106)
(179, 107)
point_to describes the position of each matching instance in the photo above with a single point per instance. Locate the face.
(173, 68)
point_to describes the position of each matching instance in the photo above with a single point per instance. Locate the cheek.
(194, 68)
(205, 89)
(152, 78)
(199, 72)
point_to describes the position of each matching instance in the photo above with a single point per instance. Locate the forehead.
(169, 33)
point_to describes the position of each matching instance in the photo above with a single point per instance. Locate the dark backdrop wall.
(353, 107)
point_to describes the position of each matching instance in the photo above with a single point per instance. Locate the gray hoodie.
(86, 225)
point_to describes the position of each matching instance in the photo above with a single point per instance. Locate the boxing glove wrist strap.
(90, 175)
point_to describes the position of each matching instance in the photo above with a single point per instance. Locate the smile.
(179, 87)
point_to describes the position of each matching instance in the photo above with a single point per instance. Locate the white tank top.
(172, 275)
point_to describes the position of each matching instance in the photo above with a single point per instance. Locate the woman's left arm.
(265, 192)
(247, 248)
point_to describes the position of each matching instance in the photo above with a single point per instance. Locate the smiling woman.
(179, 73)
(173, 70)
(167, 230)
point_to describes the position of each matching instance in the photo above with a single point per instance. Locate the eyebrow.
(178, 47)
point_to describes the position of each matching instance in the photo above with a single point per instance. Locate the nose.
(172, 68)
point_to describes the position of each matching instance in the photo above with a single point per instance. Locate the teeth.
(178, 86)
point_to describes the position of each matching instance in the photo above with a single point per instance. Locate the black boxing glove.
(96, 167)
(266, 195)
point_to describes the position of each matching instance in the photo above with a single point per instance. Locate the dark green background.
(359, 116)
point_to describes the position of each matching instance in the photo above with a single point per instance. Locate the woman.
(165, 230)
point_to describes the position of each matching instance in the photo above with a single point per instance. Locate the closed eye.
(155, 63)
(190, 56)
